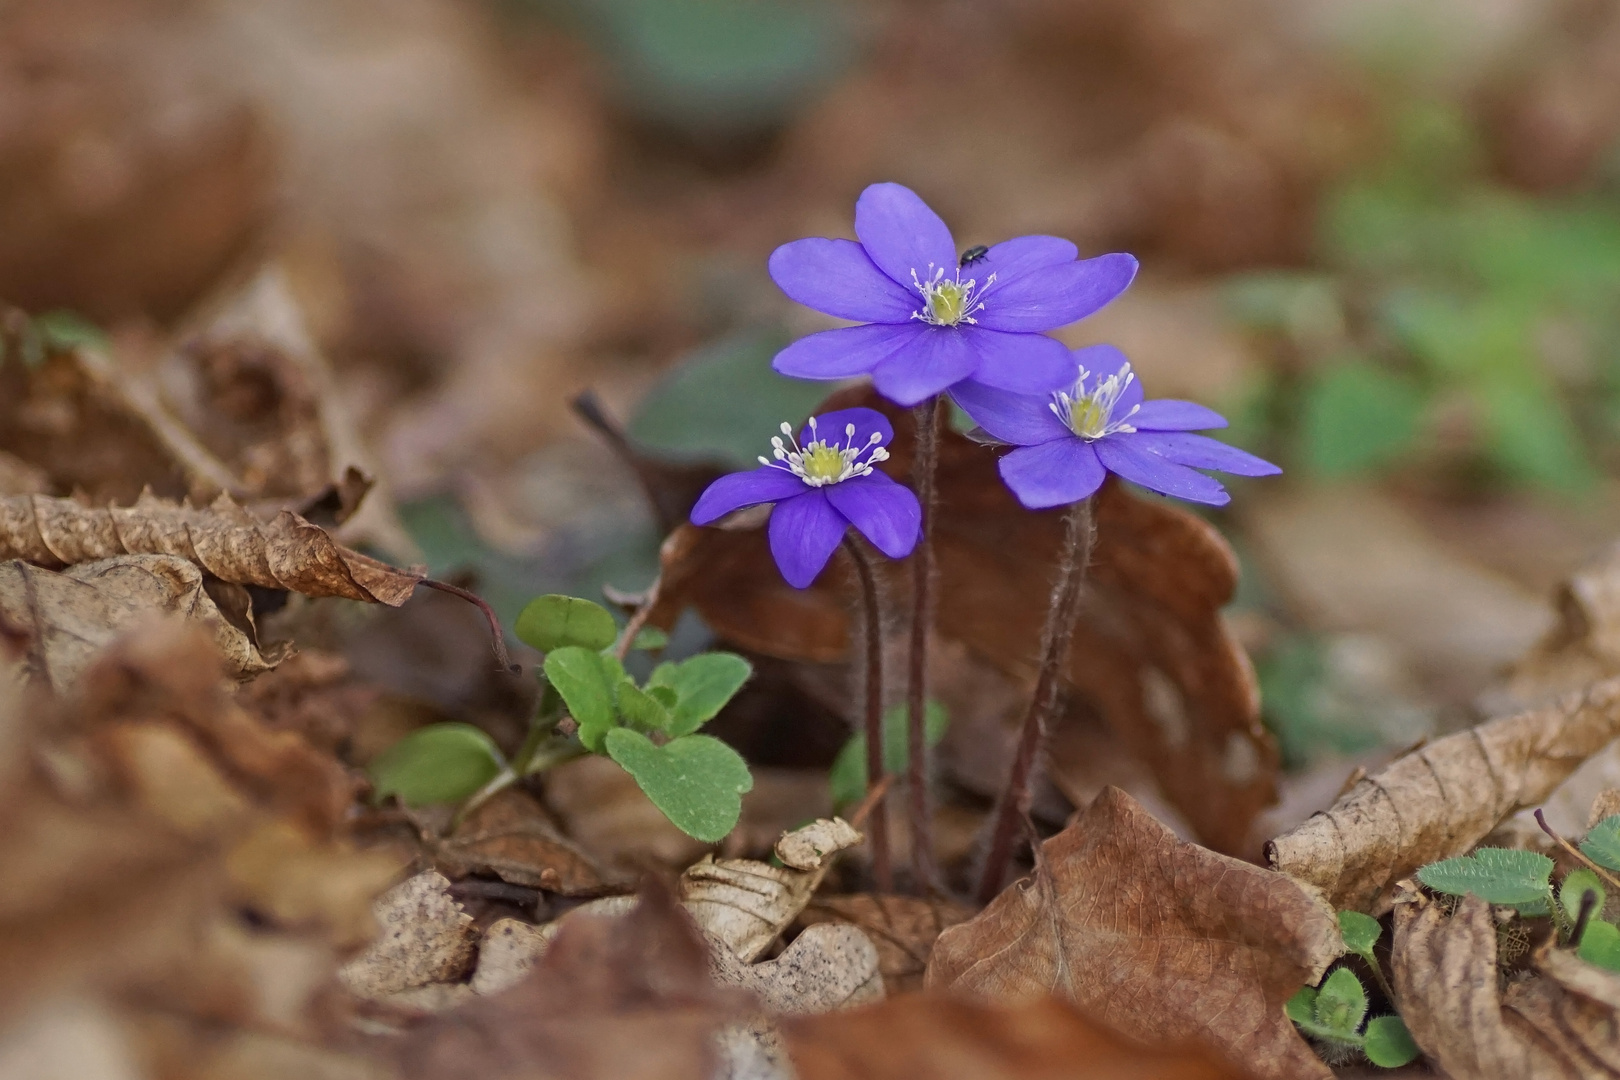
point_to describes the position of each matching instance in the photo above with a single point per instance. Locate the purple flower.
(1069, 441)
(933, 320)
(822, 485)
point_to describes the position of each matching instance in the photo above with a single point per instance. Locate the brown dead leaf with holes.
(903, 928)
(1163, 941)
(938, 1037)
(1151, 654)
(1441, 799)
(1558, 1021)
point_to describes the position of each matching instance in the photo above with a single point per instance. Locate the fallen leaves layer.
(1441, 799)
(285, 553)
(1161, 940)
(1151, 654)
(511, 837)
(903, 928)
(937, 1037)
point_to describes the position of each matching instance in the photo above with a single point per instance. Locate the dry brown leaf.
(1441, 799)
(512, 837)
(937, 1037)
(1583, 645)
(1563, 1022)
(1152, 654)
(829, 966)
(423, 937)
(612, 999)
(903, 928)
(807, 847)
(1161, 940)
(71, 616)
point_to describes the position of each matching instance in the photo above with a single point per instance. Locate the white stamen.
(1090, 415)
(819, 463)
(948, 301)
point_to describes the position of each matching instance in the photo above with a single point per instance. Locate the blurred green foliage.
(1449, 318)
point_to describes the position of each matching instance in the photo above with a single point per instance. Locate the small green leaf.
(1576, 885)
(702, 687)
(665, 695)
(1360, 932)
(1388, 1043)
(847, 778)
(62, 330)
(1600, 945)
(1301, 1008)
(643, 710)
(1358, 416)
(1495, 875)
(441, 763)
(554, 622)
(1602, 843)
(697, 781)
(1341, 1003)
(586, 680)
(650, 639)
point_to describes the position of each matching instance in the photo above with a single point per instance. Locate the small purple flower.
(1070, 440)
(822, 485)
(933, 320)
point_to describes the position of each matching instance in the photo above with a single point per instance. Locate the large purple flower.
(933, 320)
(1068, 442)
(821, 485)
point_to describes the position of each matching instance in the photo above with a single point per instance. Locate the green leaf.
(848, 775)
(441, 763)
(650, 639)
(1341, 1003)
(1387, 1042)
(1532, 436)
(1600, 945)
(1358, 416)
(555, 622)
(1301, 1008)
(643, 710)
(1495, 875)
(1602, 843)
(697, 781)
(586, 680)
(63, 330)
(702, 687)
(664, 695)
(1576, 885)
(1360, 932)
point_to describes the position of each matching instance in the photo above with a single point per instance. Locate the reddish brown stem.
(1079, 533)
(872, 612)
(924, 465)
(497, 637)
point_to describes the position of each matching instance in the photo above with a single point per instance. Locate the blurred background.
(1383, 236)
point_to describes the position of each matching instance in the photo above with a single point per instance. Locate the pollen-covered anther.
(820, 462)
(948, 301)
(1090, 414)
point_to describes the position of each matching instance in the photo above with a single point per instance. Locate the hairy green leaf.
(1602, 843)
(696, 780)
(1387, 1042)
(1600, 945)
(1341, 1003)
(554, 622)
(586, 680)
(644, 711)
(1360, 932)
(1495, 875)
(847, 778)
(441, 763)
(702, 685)
(1576, 885)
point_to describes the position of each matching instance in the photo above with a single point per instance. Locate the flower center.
(947, 301)
(1090, 414)
(820, 461)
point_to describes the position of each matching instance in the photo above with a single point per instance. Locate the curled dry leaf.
(1441, 799)
(1161, 940)
(1152, 654)
(903, 928)
(286, 552)
(1583, 645)
(937, 1037)
(511, 837)
(71, 616)
(806, 848)
(1559, 1023)
(829, 966)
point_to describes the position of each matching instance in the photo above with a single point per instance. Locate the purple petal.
(1100, 362)
(1052, 474)
(1055, 296)
(886, 512)
(1202, 452)
(1022, 363)
(762, 485)
(935, 360)
(1167, 414)
(1142, 466)
(830, 428)
(804, 532)
(1015, 258)
(1020, 419)
(901, 234)
(837, 277)
(845, 352)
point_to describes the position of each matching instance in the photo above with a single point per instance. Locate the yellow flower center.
(947, 303)
(822, 462)
(1091, 415)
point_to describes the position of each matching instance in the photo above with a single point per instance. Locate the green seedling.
(1333, 1013)
(848, 776)
(1518, 879)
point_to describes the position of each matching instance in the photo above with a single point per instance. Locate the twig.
(863, 809)
(924, 465)
(638, 620)
(1079, 535)
(1576, 852)
(497, 637)
(875, 774)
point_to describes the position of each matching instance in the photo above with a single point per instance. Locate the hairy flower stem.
(924, 465)
(873, 618)
(1079, 534)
